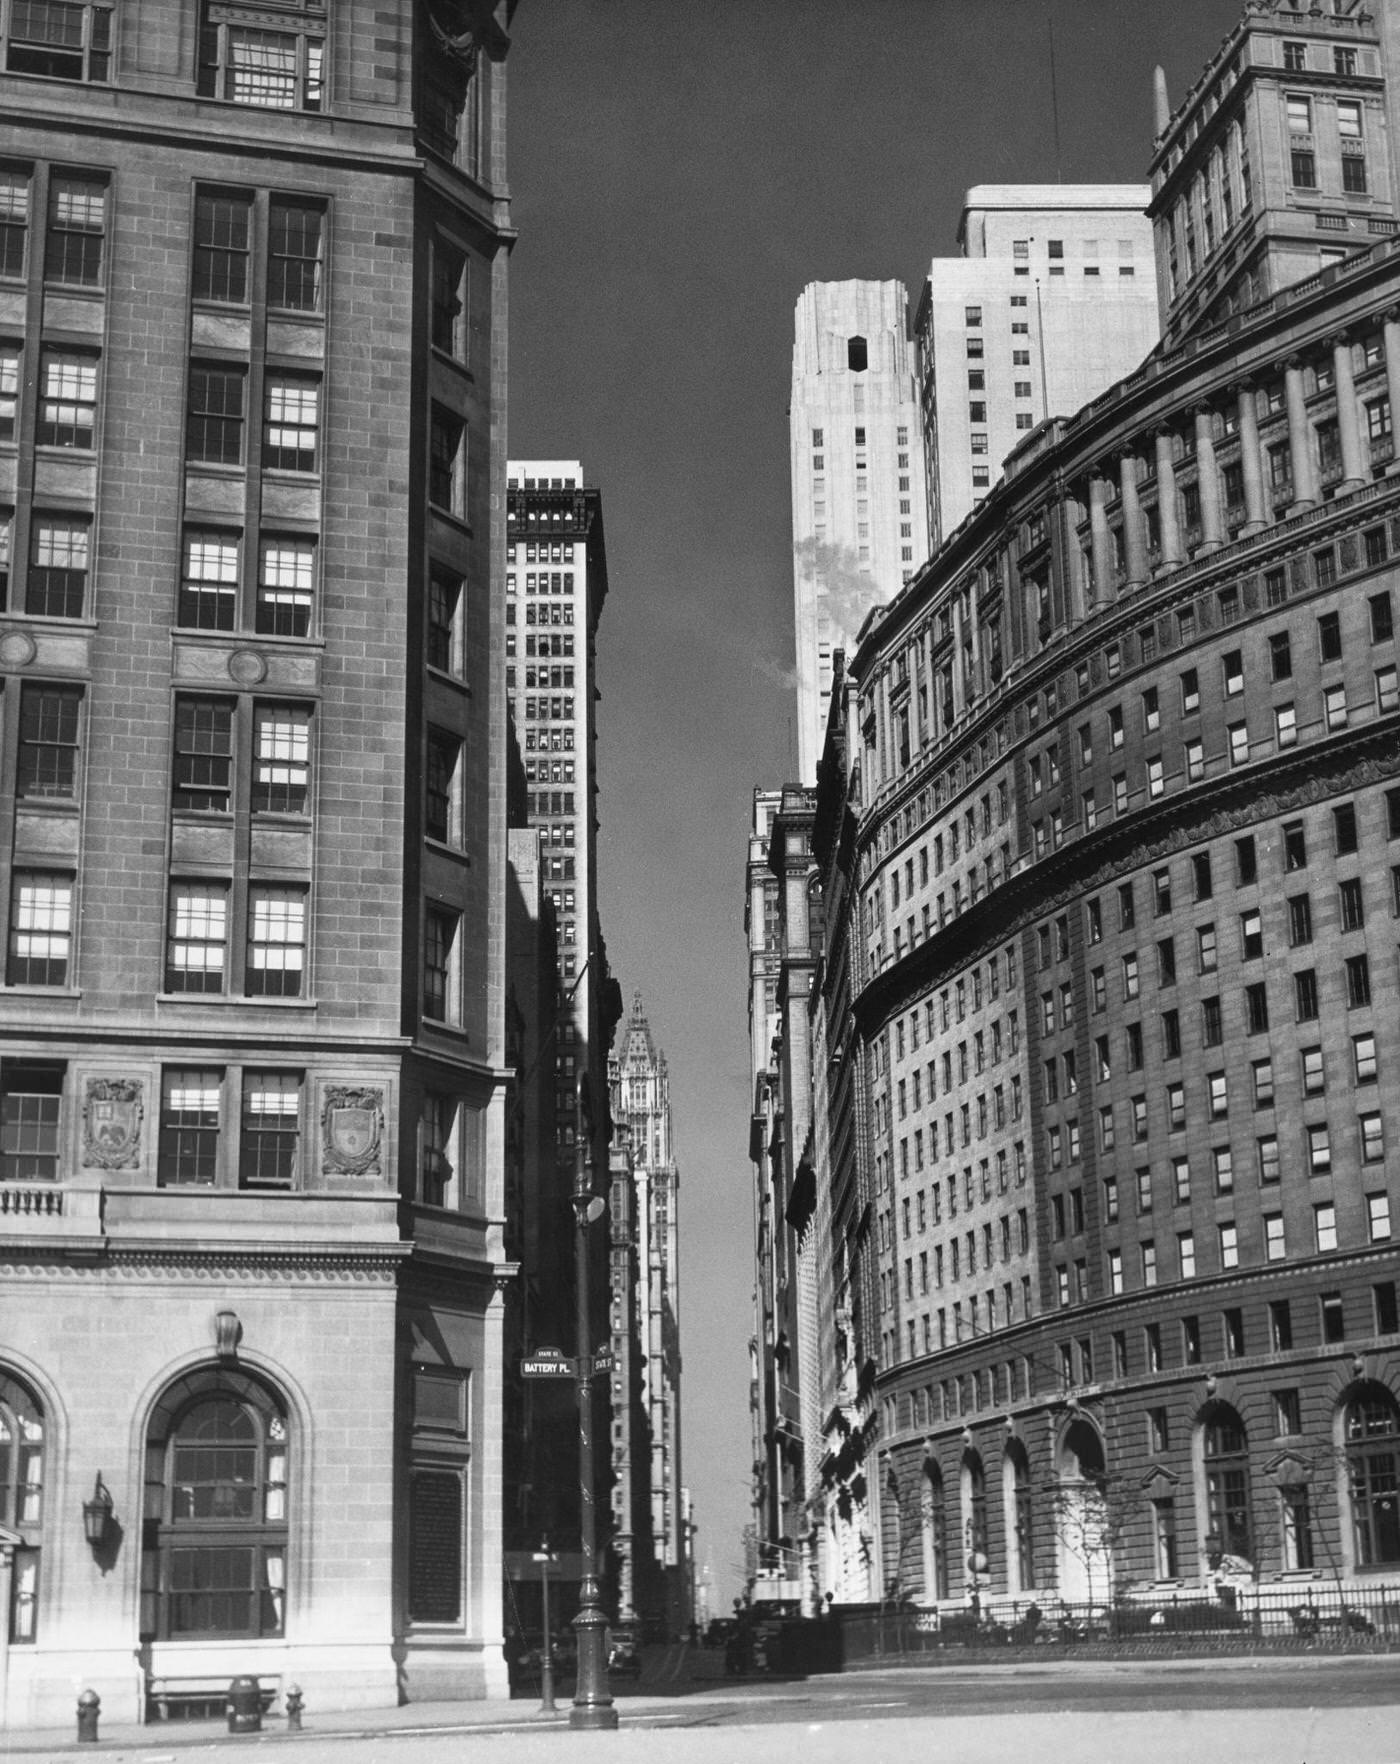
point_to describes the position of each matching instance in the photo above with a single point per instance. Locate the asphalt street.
(1310, 1710)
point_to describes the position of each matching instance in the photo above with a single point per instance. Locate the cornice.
(191, 1264)
(1206, 811)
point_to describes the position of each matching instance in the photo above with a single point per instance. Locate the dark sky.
(680, 169)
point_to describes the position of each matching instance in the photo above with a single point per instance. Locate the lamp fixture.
(97, 1513)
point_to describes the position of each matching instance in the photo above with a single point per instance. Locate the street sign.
(605, 1360)
(546, 1363)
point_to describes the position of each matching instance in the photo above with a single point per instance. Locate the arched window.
(1083, 1518)
(974, 1516)
(21, 1499)
(935, 1538)
(215, 1535)
(1372, 1431)
(1225, 1450)
(1016, 1493)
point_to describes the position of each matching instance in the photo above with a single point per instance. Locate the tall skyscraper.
(1052, 299)
(252, 851)
(643, 1101)
(859, 518)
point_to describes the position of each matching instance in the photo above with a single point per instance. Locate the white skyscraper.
(1053, 299)
(859, 512)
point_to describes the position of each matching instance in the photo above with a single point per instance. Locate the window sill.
(258, 1000)
(454, 680)
(448, 850)
(26, 991)
(450, 514)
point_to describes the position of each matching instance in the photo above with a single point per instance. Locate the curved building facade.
(1117, 805)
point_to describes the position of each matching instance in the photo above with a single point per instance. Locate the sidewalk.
(689, 1692)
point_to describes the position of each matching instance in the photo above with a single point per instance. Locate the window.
(272, 69)
(1226, 1458)
(1219, 1095)
(59, 39)
(1186, 1255)
(189, 1127)
(1378, 1217)
(1325, 1228)
(1263, 1075)
(1239, 743)
(1295, 57)
(41, 929)
(1166, 961)
(281, 759)
(446, 608)
(77, 224)
(1195, 761)
(1230, 1258)
(57, 580)
(1319, 1146)
(1275, 1248)
(1181, 1180)
(1358, 978)
(67, 399)
(214, 1536)
(1190, 692)
(1334, 707)
(441, 999)
(1303, 165)
(1353, 906)
(1305, 995)
(9, 397)
(1382, 618)
(1295, 851)
(268, 1143)
(31, 1098)
(443, 788)
(1299, 920)
(276, 941)
(47, 762)
(1206, 949)
(1268, 1159)
(286, 578)
(14, 220)
(1363, 1050)
(1372, 1138)
(222, 242)
(197, 937)
(447, 447)
(214, 424)
(1314, 1072)
(1372, 1433)
(1176, 1107)
(1212, 1022)
(1344, 834)
(289, 431)
(1329, 637)
(295, 246)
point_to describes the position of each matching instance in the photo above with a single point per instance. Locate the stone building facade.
(1115, 802)
(252, 851)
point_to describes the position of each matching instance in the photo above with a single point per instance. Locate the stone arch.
(1083, 1528)
(972, 1491)
(933, 1531)
(1366, 1436)
(1018, 1520)
(1222, 1472)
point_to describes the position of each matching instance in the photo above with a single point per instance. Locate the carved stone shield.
(112, 1115)
(352, 1124)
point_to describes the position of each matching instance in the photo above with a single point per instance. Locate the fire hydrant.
(294, 1702)
(89, 1708)
(244, 1706)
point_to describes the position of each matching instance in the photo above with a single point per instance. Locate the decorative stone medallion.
(17, 649)
(247, 667)
(113, 1109)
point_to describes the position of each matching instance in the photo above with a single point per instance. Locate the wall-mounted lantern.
(97, 1513)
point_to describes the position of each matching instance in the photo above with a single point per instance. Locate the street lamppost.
(593, 1704)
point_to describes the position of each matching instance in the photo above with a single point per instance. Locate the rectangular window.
(60, 40)
(1363, 1049)
(271, 69)
(1268, 1159)
(197, 937)
(276, 941)
(1372, 1138)
(67, 399)
(1319, 1147)
(203, 765)
(447, 450)
(9, 390)
(1275, 1250)
(77, 226)
(440, 987)
(47, 763)
(1378, 1217)
(269, 1142)
(222, 242)
(446, 608)
(295, 247)
(214, 423)
(442, 817)
(41, 929)
(286, 580)
(281, 759)
(1325, 1229)
(289, 432)
(1358, 976)
(56, 586)
(14, 220)
(1305, 995)
(1304, 169)
(209, 585)
(31, 1104)
(189, 1127)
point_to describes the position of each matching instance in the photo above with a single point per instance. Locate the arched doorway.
(1227, 1496)
(1371, 1445)
(214, 1541)
(934, 1532)
(1018, 1518)
(973, 1490)
(21, 1507)
(1083, 1529)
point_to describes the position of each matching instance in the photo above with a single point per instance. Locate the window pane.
(41, 929)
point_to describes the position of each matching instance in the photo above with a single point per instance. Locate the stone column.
(1355, 466)
(1101, 541)
(959, 689)
(1299, 440)
(1069, 514)
(1251, 463)
(1208, 482)
(1391, 332)
(1134, 531)
(1168, 510)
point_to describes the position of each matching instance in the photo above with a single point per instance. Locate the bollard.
(244, 1706)
(89, 1708)
(294, 1701)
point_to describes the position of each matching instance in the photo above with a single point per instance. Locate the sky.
(679, 171)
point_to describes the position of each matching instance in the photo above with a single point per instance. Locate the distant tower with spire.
(642, 1100)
